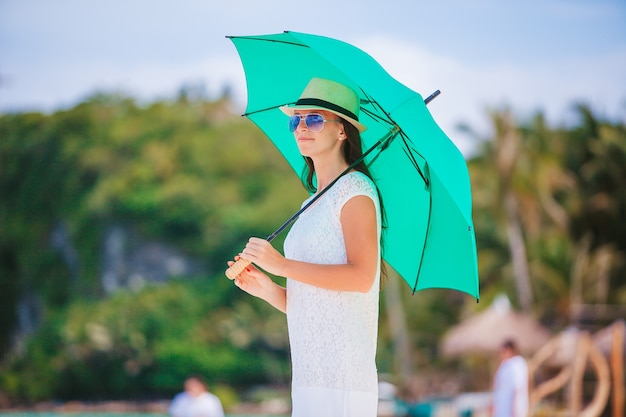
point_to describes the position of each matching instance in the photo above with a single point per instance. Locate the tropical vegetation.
(549, 213)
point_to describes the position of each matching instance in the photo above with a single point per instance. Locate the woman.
(332, 263)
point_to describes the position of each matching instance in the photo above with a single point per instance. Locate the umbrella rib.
(419, 269)
(411, 157)
(253, 38)
(389, 120)
(266, 109)
(375, 115)
(378, 117)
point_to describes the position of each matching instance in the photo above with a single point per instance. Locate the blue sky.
(532, 55)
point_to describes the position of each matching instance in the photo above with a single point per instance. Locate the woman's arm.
(359, 225)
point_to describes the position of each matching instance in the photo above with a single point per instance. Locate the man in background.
(196, 401)
(510, 386)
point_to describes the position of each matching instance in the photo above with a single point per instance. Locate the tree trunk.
(517, 248)
(398, 328)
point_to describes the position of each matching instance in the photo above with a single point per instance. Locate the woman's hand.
(253, 281)
(256, 283)
(262, 253)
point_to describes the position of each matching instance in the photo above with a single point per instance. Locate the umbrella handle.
(237, 268)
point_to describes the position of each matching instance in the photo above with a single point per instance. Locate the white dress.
(332, 334)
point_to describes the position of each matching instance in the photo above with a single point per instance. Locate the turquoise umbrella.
(428, 238)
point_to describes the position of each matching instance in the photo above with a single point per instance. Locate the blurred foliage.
(191, 173)
(143, 345)
(569, 187)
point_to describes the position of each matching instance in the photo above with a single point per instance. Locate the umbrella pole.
(241, 264)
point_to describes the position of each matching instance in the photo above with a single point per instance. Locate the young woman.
(332, 263)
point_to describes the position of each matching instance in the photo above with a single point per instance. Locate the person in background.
(196, 401)
(510, 385)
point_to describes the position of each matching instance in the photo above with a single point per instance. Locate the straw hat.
(321, 94)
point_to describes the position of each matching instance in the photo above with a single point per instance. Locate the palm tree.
(499, 161)
(596, 157)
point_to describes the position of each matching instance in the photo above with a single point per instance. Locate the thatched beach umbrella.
(483, 333)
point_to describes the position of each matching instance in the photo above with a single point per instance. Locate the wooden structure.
(615, 350)
(609, 373)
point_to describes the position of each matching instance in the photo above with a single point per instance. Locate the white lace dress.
(332, 334)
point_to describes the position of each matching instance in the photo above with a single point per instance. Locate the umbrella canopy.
(484, 333)
(422, 177)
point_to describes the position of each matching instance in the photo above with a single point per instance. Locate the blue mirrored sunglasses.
(313, 121)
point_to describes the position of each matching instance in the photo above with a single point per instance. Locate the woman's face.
(325, 142)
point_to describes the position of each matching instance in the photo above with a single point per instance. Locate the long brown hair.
(352, 150)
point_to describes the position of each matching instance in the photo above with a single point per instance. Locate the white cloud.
(469, 89)
(468, 86)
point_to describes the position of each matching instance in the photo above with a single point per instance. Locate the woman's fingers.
(256, 249)
(262, 253)
(230, 264)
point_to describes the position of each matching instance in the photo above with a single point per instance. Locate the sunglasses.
(313, 121)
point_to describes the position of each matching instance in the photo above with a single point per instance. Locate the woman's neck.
(327, 172)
